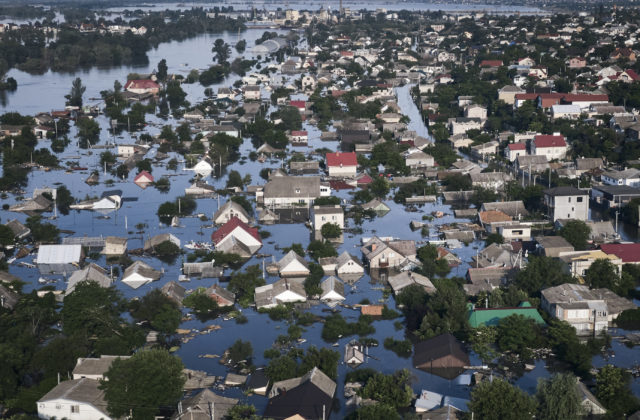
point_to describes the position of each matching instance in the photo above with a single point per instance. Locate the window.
(569, 199)
(58, 406)
(75, 408)
(324, 218)
(579, 199)
(297, 190)
(517, 232)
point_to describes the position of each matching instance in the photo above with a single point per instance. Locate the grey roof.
(330, 209)
(344, 258)
(92, 272)
(198, 407)
(222, 292)
(158, 239)
(586, 164)
(19, 230)
(376, 204)
(94, 365)
(332, 284)
(289, 258)
(79, 390)
(407, 278)
(8, 298)
(569, 293)
(616, 190)
(59, 254)
(564, 191)
(266, 295)
(174, 291)
(315, 376)
(510, 208)
(403, 247)
(292, 186)
(230, 205)
(5, 277)
(548, 242)
(143, 269)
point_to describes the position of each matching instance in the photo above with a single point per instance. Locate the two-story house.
(567, 203)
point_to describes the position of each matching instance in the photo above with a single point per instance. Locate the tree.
(493, 238)
(431, 263)
(88, 132)
(499, 400)
(175, 94)
(482, 340)
(375, 412)
(234, 180)
(379, 187)
(161, 312)
(161, 74)
(222, 50)
(457, 182)
(6, 236)
(74, 98)
(320, 249)
(143, 384)
(540, 273)
(241, 45)
(519, 334)
(64, 199)
(558, 398)
(240, 351)
(281, 368)
(576, 232)
(602, 273)
(244, 284)
(330, 230)
(107, 159)
(393, 390)
(612, 390)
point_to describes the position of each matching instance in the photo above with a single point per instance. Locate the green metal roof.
(492, 316)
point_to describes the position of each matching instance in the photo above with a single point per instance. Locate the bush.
(402, 348)
(336, 327)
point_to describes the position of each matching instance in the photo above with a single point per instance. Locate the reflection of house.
(585, 309)
(395, 253)
(310, 396)
(443, 355)
(74, 399)
(491, 317)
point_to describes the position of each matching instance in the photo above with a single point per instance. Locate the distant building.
(567, 203)
(142, 86)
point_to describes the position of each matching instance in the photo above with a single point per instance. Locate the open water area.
(46, 92)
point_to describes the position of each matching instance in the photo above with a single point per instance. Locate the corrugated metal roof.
(59, 254)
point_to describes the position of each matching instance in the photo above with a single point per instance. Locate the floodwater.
(260, 330)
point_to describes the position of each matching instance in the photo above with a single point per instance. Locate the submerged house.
(293, 265)
(140, 273)
(443, 356)
(59, 259)
(93, 273)
(235, 236)
(204, 405)
(309, 396)
(282, 291)
(332, 291)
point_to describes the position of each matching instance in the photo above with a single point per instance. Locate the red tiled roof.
(628, 253)
(230, 226)
(144, 174)
(297, 133)
(493, 216)
(526, 96)
(491, 63)
(346, 53)
(141, 84)
(632, 74)
(342, 159)
(549, 141)
(517, 146)
(340, 185)
(365, 180)
(298, 104)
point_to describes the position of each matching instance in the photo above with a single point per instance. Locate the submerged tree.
(74, 98)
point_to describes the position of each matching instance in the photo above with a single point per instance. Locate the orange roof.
(493, 216)
(373, 310)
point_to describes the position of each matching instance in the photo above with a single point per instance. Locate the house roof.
(289, 258)
(141, 177)
(585, 97)
(339, 159)
(94, 365)
(491, 63)
(298, 133)
(298, 104)
(332, 284)
(141, 84)
(230, 205)
(444, 347)
(549, 141)
(92, 272)
(83, 390)
(292, 186)
(198, 406)
(372, 310)
(493, 216)
(628, 253)
(493, 316)
(407, 278)
(230, 226)
(517, 146)
(218, 290)
(59, 254)
(9, 299)
(344, 258)
(142, 268)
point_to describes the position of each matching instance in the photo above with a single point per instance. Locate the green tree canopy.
(143, 384)
(558, 398)
(576, 232)
(499, 400)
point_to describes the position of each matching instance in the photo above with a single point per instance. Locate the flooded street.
(137, 220)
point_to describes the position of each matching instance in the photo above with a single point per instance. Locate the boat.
(336, 344)
(199, 245)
